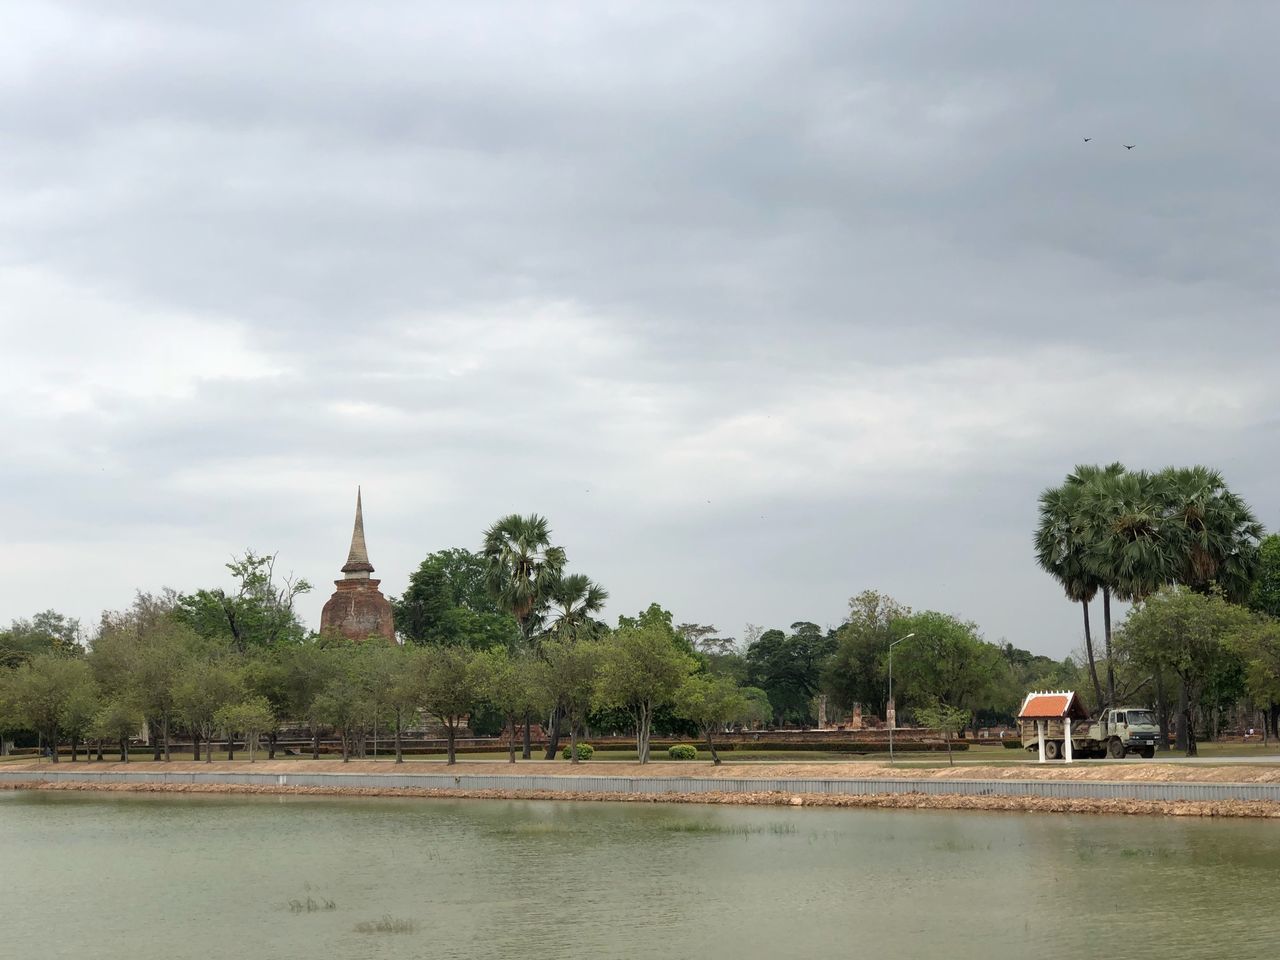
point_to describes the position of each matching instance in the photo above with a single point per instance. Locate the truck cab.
(1129, 730)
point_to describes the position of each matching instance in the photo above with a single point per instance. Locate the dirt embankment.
(1132, 770)
(902, 801)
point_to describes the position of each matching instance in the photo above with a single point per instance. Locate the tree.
(950, 720)
(711, 703)
(1265, 594)
(48, 632)
(78, 712)
(1187, 632)
(1258, 646)
(44, 687)
(947, 661)
(855, 671)
(396, 681)
(119, 719)
(303, 671)
(202, 692)
(574, 601)
(1211, 530)
(569, 679)
(347, 701)
(641, 668)
(514, 685)
(521, 567)
(788, 667)
(448, 603)
(1064, 553)
(250, 717)
(452, 687)
(258, 613)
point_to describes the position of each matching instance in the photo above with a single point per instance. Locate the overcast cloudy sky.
(761, 304)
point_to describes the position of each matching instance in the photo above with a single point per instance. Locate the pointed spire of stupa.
(358, 565)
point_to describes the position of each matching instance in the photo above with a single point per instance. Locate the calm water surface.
(155, 878)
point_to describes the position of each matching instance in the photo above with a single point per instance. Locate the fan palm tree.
(572, 602)
(1121, 518)
(575, 600)
(521, 567)
(1215, 535)
(1063, 555)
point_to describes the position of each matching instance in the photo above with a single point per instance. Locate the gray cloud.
(850, 275)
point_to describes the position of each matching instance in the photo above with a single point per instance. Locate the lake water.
(146, 877)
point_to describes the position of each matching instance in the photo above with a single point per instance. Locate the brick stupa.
(358, 610)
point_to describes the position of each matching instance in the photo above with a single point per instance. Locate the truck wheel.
(1052, 750)
(1115, 749)
(1147, 753)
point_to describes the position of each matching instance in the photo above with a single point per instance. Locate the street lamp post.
(894, 722)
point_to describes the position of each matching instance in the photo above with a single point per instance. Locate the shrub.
(585, 752)
(682, 751)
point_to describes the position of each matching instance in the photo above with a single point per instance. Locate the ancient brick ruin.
(358, 610)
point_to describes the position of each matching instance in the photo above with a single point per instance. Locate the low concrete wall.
(1064, 789)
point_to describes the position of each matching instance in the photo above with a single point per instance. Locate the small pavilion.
(1052, 712)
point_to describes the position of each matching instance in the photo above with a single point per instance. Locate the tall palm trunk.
(1093, 663)
(1111, 670)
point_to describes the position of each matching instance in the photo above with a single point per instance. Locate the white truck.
(1117, 732)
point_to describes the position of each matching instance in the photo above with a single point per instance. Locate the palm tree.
(521, 567)
(1063, 554)
(574, 600)
(1121, 520)
(1215, 535)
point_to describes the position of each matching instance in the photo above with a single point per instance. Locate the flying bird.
(1087, 139)
(1130, 146)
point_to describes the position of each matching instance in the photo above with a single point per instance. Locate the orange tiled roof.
(1045, 706)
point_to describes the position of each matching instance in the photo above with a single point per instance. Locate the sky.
(761, 304)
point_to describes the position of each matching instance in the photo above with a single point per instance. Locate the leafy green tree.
(855, 671)
(452, 684)
(569, 680)
(347, 701)
(78, 713)
(259, 612)
(448, 603)
(118, 720)
(250, 717)
(44, 686)
(48, 632)
(641, 668)
(515, 685)
(711, 703)
(1265, 594)
(947, 661)
(950, 720)
(575, 599)
(395, 675)
(1258, 647)
(1187, 632)
(203, 691)
(301, 673)
(789, 668)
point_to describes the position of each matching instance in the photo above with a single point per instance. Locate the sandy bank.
(902, 801)
(1129, 770)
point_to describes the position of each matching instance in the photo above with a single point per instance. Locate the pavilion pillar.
(1040, 737)
(1066, 739)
